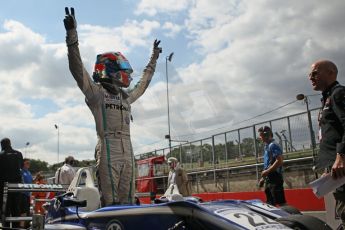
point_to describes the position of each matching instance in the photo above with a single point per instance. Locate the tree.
(247, 146)
(38, 166)
(148, 155)
(261, 146)
(78, 164)
(207, 152)
(232, 150)
(219, 153)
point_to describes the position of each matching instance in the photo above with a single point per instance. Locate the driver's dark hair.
(266, 130)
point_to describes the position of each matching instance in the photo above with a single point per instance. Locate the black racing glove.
(69, 21)
(156, 44)
(156, 49)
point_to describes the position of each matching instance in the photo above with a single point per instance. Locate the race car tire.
(303, 222)
(290, 209)
(114, 225)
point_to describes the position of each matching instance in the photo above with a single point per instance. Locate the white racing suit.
(112, 114)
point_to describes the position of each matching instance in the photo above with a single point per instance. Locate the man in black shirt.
(11, 162)
(323, 77)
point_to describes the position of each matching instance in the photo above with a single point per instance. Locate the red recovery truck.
(150, 172)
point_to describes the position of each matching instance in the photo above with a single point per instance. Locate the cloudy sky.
(233, 60)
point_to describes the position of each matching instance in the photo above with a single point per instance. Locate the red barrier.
(303, 199)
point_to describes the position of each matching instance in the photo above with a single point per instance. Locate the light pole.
(312, 135)
(26, 147)
(58, 142)
(168, 58)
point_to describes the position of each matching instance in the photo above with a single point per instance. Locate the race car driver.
(110, 104)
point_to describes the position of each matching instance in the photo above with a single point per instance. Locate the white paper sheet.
(326, 184)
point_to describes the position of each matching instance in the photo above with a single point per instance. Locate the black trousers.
(13, 207)
(274, 189)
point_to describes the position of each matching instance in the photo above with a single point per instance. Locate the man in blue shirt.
(27, 179)
(272, 175)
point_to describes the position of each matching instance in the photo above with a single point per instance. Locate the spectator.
(25, 204)
(272, 175)
(331, 159)
(65, 174)
(38, 209)
(11, 162)
(178, 176)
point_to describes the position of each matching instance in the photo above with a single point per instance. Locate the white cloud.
(125, 38)
(256, 56)
(153, 7)
(173, 29)
(35, 71)
(265, 43)
(18, 43)
(12, 107)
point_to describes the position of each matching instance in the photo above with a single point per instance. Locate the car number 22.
(249, 219)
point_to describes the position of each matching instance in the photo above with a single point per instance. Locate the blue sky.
(234, 59)
(45, 18)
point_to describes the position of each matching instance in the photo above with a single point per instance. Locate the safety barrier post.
(256, 154)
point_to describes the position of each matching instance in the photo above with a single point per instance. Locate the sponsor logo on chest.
(115, 102)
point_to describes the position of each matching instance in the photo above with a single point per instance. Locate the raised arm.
(148, 72)
(87, 86)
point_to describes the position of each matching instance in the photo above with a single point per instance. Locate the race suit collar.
(114, 89)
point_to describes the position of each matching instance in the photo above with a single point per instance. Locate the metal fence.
(291, 132)
(235, 149)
